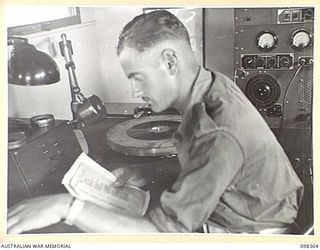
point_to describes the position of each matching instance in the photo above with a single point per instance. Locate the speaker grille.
(305, 90)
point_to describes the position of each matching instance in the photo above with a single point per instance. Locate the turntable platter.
(147, 136)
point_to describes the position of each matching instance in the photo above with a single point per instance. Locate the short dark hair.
(147, 30)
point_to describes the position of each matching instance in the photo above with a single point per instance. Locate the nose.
(137, 91)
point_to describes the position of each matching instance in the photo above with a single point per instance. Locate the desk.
(161, 171)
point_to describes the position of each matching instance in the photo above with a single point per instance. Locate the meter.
(266, 40)
(300, 39)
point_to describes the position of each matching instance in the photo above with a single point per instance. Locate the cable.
(287, 90)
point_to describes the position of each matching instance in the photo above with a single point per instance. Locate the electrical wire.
(287, 90)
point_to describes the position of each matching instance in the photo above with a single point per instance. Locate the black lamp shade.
(30, 67)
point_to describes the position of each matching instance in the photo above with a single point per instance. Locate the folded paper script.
(88, 181)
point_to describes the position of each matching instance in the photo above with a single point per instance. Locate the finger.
(26, 224)
(17, 229)
(14, 229)
(12, 221)
(118, 171)
(122, 179)
(16, 209)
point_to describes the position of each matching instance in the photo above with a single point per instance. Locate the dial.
(300, 39)
(260, 62)
(266, 40)
(285, 62)
(271, 62)
(247, 62)
(263, 90)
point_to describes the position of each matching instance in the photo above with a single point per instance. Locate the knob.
(271, 63)
(285, 62)
(260, 62)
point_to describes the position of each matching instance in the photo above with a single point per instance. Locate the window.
(23, 20)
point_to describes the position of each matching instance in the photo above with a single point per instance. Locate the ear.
(170, 59)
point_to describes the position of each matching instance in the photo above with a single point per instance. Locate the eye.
(137, 78)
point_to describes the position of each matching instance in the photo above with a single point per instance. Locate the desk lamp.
(28, 66)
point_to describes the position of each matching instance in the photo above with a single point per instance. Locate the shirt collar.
(200, 86)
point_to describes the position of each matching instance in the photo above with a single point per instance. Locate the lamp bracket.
(85, 111)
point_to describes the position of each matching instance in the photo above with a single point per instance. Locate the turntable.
(147, 136)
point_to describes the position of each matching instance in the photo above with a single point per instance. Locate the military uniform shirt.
(234, 173)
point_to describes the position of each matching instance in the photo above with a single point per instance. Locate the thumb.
(123, 175)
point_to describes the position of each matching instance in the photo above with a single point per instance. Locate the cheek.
(161, 85)
(168, 93)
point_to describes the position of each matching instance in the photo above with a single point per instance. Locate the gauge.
(266, 40)
(300, 39)
(247, 61)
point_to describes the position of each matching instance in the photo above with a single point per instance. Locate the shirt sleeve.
(215, 158)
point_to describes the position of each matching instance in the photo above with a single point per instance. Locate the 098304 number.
(309, 246)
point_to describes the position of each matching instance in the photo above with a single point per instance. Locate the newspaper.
(88, 181)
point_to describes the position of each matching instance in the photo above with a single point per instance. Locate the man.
(235, 177)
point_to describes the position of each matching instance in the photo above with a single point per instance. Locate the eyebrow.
(132, 74)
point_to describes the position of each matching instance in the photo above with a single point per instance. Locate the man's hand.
(37, 213)
(134, 176)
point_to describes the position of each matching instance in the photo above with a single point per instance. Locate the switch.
(274, 111)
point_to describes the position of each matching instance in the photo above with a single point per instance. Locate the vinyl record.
(147, 136)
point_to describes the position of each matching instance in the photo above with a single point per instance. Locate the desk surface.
(160, 171)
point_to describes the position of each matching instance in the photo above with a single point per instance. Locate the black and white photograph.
(160, 119)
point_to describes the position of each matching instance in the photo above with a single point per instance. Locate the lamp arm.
(85, 111)
(76, 96)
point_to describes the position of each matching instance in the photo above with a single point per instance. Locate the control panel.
(267, 61)
(273, 66)
(273, 63)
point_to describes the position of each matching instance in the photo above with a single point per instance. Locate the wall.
(55, 99)
(109, 22)
(97, 67)
(219, 40)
